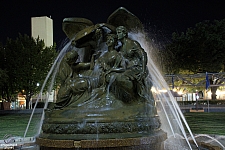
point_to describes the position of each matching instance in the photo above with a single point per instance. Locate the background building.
(42, 27)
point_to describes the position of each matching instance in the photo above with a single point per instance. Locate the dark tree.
(200, 49)
(27, 62)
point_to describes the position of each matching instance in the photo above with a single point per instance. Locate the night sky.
(161, 18)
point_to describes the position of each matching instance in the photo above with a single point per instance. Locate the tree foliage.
(200, 49)
(26, 62)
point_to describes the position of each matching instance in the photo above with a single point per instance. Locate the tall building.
(42, 27)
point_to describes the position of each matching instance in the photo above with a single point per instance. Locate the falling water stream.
(166, 101)
(51, 75)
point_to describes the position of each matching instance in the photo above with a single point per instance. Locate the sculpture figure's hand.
(140, 76)
(73, 43)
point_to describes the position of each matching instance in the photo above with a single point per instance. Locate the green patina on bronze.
(107, 93)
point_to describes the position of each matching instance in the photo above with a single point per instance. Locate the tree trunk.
(213, 90)
(6, 105)
(27, 102)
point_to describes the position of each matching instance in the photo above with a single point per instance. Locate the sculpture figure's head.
(111, 40)
(121, 32)
(71, 57)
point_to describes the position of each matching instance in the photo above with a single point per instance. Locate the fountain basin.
(141, 141)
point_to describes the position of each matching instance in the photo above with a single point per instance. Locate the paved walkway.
(28, 143)
(18, 143)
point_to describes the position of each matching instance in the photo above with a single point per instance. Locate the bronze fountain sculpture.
(105, 99)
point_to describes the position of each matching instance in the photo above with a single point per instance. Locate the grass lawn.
(15, 124)
(200, 123)
(206, 123)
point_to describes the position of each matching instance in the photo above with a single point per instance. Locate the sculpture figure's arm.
(81, 66)
(118, 60)
(144, 60)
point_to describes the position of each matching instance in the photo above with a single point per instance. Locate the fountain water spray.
(88, 122)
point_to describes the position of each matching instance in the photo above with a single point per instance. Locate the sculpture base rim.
(153, 141)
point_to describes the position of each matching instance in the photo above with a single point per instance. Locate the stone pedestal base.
(152, 141)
